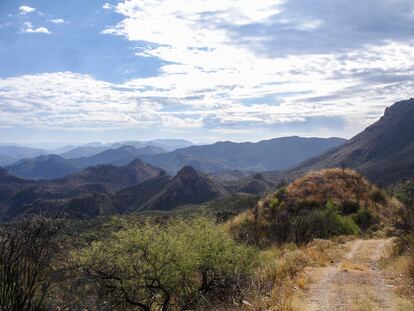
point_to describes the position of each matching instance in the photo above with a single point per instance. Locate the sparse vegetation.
(253, 254)
(27, 249)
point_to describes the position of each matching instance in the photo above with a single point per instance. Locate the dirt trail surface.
(355, 283)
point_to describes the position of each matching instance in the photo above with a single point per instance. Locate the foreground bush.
(181, 266)
(26, 252)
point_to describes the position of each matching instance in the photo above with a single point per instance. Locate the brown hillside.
(318, 205)
(383, 152)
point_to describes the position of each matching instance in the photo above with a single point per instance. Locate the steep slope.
(42, 167)
(384, 152)
(187, 187)
(275, 154)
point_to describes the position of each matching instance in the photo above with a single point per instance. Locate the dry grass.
(363, 303)
(351, 266)
(333, 183)
(404, 304)
(400, 272)
(282, 277)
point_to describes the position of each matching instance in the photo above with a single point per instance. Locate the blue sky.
(77, 71)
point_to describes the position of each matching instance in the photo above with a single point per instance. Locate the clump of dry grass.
(362, 303)
(340, 184)
(351, 266)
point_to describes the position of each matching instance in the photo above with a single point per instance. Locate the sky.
(78, 71)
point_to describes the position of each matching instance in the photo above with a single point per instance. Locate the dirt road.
(355, 283)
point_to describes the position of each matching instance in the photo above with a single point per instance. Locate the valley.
(244, 226)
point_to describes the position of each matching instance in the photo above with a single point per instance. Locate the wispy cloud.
(57, 21)
(107, 6)
(24, 9)
(28, 27)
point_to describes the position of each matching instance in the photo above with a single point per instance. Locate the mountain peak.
(383, 152)
(187, 170)
(399, 108)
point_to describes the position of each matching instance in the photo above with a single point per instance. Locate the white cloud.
(24, 9)
(107, 6)
(57, 21)
(28, 28)
(202, 58)
(209, 80)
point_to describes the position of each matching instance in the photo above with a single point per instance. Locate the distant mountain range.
(275, 154)
(54, 166)
(17, 195)
(383, 152)
(10, 154)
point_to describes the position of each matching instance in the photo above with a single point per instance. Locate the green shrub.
(182, 264)
(364, 218)
(332, 223)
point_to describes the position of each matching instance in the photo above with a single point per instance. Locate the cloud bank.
(235, 66)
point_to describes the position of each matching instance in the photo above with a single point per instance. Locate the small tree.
(153, 267)
(26, 250)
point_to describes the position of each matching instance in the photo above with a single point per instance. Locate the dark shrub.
(26, 252)
(349, 207)
(364, 218)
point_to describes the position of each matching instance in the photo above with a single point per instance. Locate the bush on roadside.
(365, 219)
(182, 265)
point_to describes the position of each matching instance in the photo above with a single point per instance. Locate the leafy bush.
(183, 264)
(364, 218)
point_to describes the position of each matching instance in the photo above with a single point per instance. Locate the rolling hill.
(54, 166)
(17, 194)
(120, 156)
(161, 192)
(275, 154)
(42, 167)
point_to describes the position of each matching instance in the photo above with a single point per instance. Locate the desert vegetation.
(27, 250)
(202, 260)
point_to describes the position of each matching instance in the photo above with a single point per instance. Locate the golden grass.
(319, 186)
(404, 304)
(349, 266)
(400, 272)
(363, 304)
